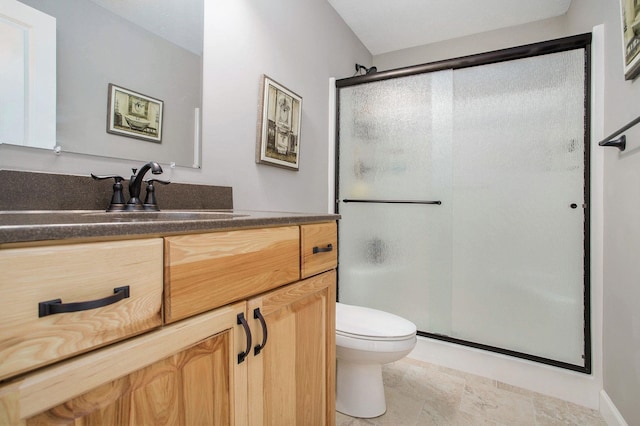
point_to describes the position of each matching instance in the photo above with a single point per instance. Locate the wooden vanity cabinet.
(189, 371)
(291, 381)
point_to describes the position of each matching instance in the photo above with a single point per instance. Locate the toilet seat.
(359, 322)
(374, 338)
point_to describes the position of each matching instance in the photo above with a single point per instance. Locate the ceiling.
(388, 25)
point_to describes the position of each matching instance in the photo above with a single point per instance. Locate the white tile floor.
(424, 394)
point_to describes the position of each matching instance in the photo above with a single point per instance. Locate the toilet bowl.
(366, 339)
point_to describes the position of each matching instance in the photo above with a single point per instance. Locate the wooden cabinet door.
(186, 374)
(292, 379)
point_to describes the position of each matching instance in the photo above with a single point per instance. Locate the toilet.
(366, 339)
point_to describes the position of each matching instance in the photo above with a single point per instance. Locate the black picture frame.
(278, 140)
(134, 115)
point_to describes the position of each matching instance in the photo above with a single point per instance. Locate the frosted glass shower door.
(518, 214)
(463, 203)
(394, 168)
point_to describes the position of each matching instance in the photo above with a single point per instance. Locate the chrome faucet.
(135, 184)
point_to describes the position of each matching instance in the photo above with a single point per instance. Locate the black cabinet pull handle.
(247, 331)
(56, 306)
(323, 250)
(258, 315)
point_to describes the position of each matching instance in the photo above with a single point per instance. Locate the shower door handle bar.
(349, 200)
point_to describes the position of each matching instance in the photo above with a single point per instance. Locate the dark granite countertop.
(30, 226)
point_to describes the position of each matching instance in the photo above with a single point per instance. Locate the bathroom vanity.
(221, 321)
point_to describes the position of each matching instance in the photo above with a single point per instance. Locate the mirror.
(149, 48)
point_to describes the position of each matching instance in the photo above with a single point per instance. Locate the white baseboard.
(609, 411)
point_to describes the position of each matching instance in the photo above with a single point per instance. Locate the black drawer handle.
(323, 250)
(247, 331)
(56, 306)
(258, 315)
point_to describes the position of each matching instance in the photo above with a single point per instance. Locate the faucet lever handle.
(117, 199)
(117, 178)
(150, 202)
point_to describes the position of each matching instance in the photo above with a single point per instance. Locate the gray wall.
(621, 331)
(621, 287)
(299, 43)
(485, 42)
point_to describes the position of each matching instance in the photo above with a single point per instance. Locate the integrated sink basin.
(62, 217)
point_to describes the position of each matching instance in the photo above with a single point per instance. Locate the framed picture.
(134, 115)
(630, 11)
(279, 126)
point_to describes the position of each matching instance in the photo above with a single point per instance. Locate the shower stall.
(463, 189)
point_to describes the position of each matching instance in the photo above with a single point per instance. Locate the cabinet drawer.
(205, 271)
(74, 274)
(319, 244)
